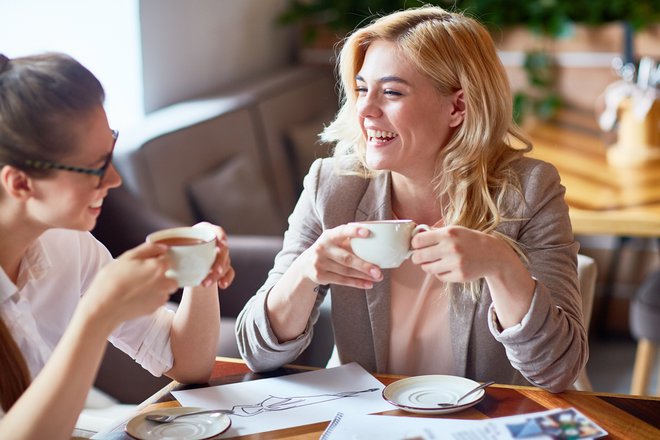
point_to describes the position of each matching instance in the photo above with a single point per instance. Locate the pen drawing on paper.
(275, 403)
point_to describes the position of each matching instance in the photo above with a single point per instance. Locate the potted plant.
(326, 21)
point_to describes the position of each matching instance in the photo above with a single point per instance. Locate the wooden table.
(603, 199)
(623, 416)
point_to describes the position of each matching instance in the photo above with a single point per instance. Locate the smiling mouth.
(96, 204)
(380, 135)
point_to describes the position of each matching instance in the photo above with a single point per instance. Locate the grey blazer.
(548, 349)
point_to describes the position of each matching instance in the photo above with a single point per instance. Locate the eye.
(361, 89)
(391, 92)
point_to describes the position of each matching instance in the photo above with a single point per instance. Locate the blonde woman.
(61, 294)
(425, 133)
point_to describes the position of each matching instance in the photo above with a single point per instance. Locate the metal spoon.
(164, 418)
(469, 393)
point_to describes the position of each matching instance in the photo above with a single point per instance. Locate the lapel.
(461, 318)
(376, 204)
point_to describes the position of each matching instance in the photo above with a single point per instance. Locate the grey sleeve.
(549, 347)
(257, 343)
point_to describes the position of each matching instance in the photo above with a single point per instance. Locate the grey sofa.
(235, 159)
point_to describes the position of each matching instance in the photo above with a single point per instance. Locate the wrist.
(506, 261)
(300, 279)
(93, 319)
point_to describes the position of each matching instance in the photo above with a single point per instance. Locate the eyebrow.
(104, 158)
(385, 79)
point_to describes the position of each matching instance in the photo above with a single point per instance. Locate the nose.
(111, 179)
(367, 107)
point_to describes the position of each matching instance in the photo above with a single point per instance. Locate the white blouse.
(54, 274)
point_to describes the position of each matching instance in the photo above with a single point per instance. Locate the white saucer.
(421, 394)
(198, 427)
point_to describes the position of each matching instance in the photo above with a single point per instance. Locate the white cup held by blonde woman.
(388, 245)
(192, 251)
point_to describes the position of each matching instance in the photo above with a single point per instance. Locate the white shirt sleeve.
(146, 339)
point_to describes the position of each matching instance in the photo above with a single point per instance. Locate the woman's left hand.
(221, 272)
(458, 254)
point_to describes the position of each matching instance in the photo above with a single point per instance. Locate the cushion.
(236, 197)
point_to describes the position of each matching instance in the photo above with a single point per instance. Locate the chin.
(376, 164)
(90, 226)
(85, 225)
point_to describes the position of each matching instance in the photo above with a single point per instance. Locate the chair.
(645, 327)
(587, 271)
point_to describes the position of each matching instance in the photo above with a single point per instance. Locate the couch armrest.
(126, 380)
(252, 257)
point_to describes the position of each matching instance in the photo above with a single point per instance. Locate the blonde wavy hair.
(472, 172)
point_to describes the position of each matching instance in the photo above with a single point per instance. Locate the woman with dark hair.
(61, 294)
(425, 132)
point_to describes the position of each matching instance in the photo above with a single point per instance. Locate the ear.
(15, 182)
(457, 114)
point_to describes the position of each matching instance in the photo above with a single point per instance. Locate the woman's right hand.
(131, 286)
(330, 260)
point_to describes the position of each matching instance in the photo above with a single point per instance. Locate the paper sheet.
(553, 424)
(293, 400)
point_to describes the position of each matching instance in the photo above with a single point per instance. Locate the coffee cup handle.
(417, 230)
(420, 228)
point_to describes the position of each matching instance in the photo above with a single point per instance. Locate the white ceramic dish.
(421, 394)
(197, 427)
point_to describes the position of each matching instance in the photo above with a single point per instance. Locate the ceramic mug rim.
(384, 222)
(203, 233)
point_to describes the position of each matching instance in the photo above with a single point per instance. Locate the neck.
(17, 233)
(415, 199)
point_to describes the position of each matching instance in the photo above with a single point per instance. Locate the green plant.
(548, 19)
(337, 15)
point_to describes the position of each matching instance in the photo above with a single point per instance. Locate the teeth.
(97, 204)
(381, 134)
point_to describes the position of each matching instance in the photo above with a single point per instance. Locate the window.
(104, 35)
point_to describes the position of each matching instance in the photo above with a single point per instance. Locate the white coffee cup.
(388, 245)
(191, 250)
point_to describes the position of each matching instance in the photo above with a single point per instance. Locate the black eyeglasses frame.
(100, 172)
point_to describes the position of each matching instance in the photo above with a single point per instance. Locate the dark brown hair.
(40, 97)
(15, 376)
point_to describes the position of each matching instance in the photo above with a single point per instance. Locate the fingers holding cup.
(221, 271)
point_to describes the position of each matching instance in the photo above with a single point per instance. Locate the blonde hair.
(472, 171)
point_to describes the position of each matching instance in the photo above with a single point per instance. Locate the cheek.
(70, 202)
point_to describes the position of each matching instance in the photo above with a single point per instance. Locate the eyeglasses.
(100, 172)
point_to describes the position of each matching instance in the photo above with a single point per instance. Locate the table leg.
(644, 359)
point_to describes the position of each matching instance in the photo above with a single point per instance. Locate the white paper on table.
(539, 426)
(292, 400)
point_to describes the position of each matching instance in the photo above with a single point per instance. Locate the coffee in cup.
(388, 245)
(191, 250)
